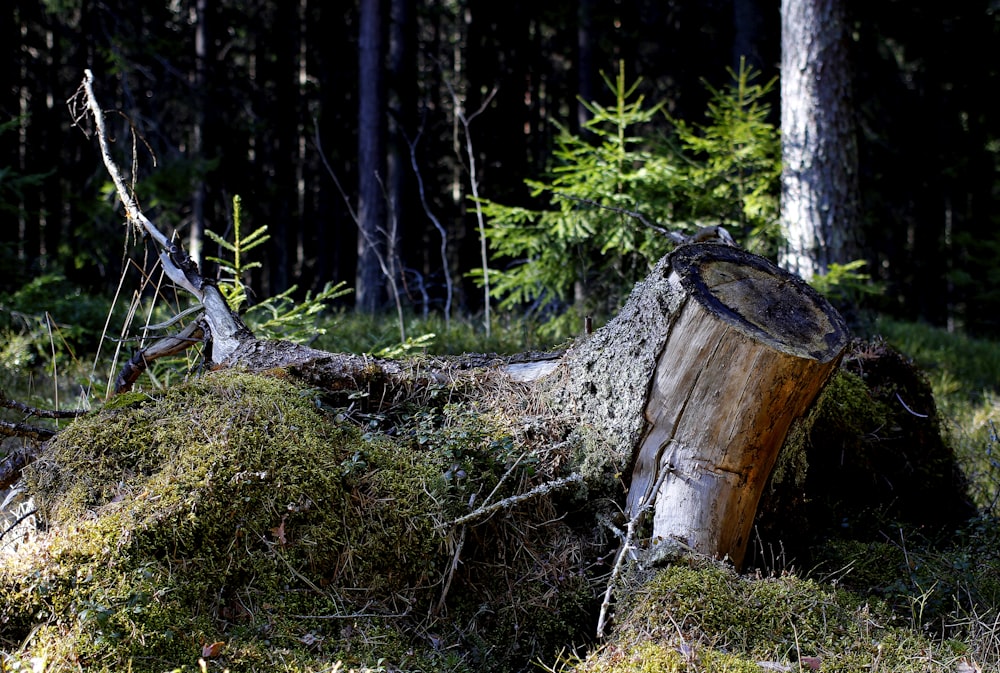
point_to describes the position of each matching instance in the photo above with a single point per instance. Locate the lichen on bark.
(606, 377)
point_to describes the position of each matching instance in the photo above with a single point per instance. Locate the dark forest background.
(234, 98)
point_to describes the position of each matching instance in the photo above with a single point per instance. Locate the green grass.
(959, 367)
(349, 332)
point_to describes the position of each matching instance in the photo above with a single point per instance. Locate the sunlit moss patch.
(238, 520)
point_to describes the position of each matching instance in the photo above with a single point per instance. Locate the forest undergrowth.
(872, 605)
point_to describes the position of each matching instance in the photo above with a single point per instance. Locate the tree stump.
(698, 380)
(692, 387)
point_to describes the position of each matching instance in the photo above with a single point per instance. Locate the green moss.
(656, 657)
(844, 407)
(703, 616)
(126, 400)
(217, 511)
(867, 458)
(236, 509)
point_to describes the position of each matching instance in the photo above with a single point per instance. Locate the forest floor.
(117, 580)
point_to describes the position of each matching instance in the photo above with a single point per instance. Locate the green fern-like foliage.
(233, 287)
(618, 187)
(277, 317)
(847, 284)
(584, 228)
(734, 170)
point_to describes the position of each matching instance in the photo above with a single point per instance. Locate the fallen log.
(693, 385)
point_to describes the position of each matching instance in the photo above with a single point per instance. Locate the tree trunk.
(694, 385)
(371, 158)
(200, 104)
(820, 212)
(749, 351)
(402, 101)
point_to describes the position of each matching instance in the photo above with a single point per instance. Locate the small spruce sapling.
(616, 189)
(279, 316)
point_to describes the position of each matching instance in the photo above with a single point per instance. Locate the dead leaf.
(279, 532)
(210, 651)
(812, 663)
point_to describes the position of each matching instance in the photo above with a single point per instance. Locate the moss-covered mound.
(701, 616)
(247, 523)
(868, 457)
(236, 520)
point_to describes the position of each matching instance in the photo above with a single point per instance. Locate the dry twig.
(625, 549)
(507, 503)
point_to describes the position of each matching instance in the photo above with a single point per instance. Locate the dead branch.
(386, 266)
(177, 265)
(8, 403)
(625, 549)
(10, 467)
(227, 331)
(171, 345)
(11, 429)
(707, 234)
(449, 285)
(466, 121)
(507, 503)
(17, 522)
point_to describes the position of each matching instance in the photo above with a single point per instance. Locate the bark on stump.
(701, 375)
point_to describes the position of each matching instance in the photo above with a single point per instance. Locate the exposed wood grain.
(750, 347)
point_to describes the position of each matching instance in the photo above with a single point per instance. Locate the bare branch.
(27, 431)
(625, 549)
(8, 403)
(507, 503)
(466, 121)
(449, 286)
(706, 234)
(226, 330)
(11, 466)
(486, 103)
(672, 235)
(387, 266)
(17, 522)
(180, 316)
(171, 345)
(177, 265)
(333, 174)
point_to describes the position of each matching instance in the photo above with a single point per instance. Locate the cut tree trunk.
(693, 386)
(697, 381)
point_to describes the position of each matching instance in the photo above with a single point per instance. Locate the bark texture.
(820, 193)
(696, 383)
